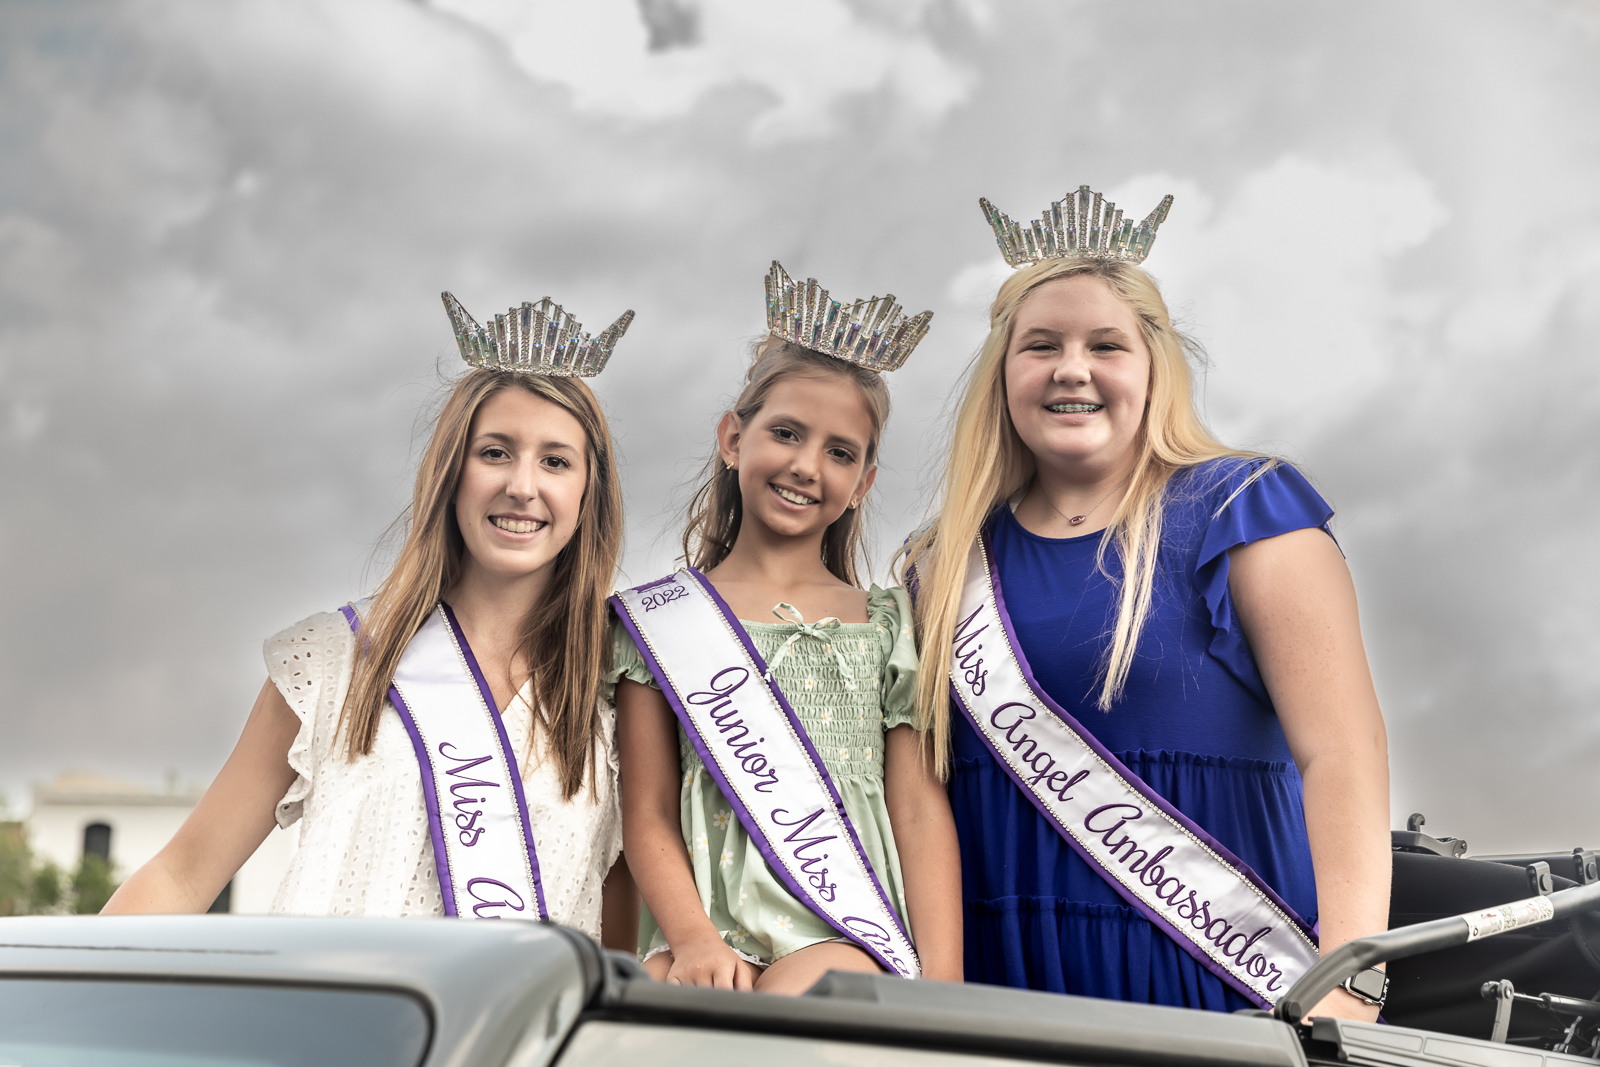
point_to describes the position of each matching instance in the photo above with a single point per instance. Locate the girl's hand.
(710, 963)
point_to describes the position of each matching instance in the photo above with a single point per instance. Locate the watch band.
(1371, 986)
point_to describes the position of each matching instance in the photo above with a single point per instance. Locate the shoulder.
(300, 658)
(626, 662)
(310, 663)
(890, 609)
(1254, 493)
(885, 606)
(1223, 476)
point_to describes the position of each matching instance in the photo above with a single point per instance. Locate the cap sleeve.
(891, 610)
(311, 663)
(625, 659)
(1277, 501)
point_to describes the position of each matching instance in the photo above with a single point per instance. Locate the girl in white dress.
(514, 532)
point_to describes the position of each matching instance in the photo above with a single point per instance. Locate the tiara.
(869, 333)
(1093, 229)
(534, 338)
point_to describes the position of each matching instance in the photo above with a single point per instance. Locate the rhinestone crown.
(869, 333)
(1093, 228)
(534, 338)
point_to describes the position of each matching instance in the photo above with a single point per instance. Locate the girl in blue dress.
(1183, 601)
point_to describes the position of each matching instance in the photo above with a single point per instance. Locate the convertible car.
(1508, 982)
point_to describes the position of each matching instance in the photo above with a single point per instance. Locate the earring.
(853, 504)
(732, 467)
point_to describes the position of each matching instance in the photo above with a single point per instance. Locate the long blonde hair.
(566, 637)
(988, 463)
(717, 509)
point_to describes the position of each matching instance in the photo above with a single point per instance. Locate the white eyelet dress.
(364, 844)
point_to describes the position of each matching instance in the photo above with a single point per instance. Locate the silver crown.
(1093, 229)
(869, 333)
(534, 338)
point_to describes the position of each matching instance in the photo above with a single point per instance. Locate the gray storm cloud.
(224, 229)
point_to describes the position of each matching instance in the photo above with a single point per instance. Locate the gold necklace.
(1074, 520)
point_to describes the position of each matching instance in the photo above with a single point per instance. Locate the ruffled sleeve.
(891, 610)
(1276, 502)
(625, 659)
(311, 664)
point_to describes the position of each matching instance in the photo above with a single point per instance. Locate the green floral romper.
(754, 912)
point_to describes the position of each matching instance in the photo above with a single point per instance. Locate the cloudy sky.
(224, 228)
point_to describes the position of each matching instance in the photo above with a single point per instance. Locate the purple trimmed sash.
(1175, 874)
(715, 681)
(486, 859)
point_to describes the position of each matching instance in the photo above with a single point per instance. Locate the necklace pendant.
(1076, 519)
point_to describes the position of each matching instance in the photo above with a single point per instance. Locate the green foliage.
(27, 888)
(16, 869)
(92, 885)
(45, 892)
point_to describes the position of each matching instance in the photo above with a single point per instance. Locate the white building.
(129, 823)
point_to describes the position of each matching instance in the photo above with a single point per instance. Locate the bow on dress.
(809, 629)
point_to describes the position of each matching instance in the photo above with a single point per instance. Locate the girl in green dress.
(777, 530)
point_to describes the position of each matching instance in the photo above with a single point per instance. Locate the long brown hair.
(717, 509)
(988, 464)
(566, 637)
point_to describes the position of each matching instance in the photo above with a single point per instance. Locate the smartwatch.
(1371, 986)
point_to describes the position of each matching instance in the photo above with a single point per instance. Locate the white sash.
(1181, 879)
(713, 677)
(482, 843)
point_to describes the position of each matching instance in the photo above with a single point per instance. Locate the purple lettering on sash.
(734, 730)
(508, 898)
(994, 716)
(466, 821)
(967, 659)
(1058, 783)
(1237, 954)
(817, 877)
(1153, 872)
(1088, 820)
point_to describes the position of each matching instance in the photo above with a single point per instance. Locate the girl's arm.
(930, 858)
(652, 839)
(226, 827)
(1297, 605)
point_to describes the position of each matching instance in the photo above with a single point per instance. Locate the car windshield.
(69, 1023)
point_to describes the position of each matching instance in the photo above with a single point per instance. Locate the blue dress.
(1195, 722)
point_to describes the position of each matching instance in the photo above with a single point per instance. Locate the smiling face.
(1077, 377)
(802, 458)
(522, 484)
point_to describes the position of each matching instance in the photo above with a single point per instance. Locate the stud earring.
(853, 504)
